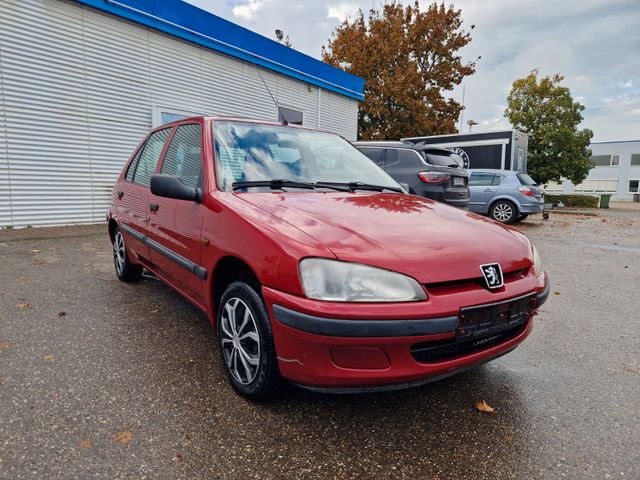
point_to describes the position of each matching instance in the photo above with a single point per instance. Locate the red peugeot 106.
(313, 263)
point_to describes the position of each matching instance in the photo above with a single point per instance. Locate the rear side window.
(146, 165)
(525, 179)
(133, 165)
(497, 180)
(478, 179)
(184, 155)
(408, 158)
(376, 155)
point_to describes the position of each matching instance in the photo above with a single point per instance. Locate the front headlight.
(336, 281)
(537, 262)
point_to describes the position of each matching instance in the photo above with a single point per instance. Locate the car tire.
(245, 338)
(522, 216)
(503, 211)
(125, 270)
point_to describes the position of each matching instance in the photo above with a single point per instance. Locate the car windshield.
(526, 179)
(250, 152)
(441, 158)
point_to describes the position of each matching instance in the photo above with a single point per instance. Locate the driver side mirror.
(170, 186)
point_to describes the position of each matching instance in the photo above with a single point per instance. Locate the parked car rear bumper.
(457, 198)
(531, 208)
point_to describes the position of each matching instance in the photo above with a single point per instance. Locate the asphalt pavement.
(100, 379)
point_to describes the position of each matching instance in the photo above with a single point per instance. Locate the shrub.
(580, 201)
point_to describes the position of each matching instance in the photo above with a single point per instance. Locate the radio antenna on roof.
(280, 114)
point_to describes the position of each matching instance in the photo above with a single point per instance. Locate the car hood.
(427, 240)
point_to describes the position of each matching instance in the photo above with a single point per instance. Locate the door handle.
(120, 194)
(153, 207)
(488, 189)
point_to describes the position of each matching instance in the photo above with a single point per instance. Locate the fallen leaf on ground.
(556, 293)
(123, 437)
(154, 311)
(631, 370)
(35, 251)
(177, 458)
(22, 305)
(62, 314)
(48, 358)
(84, 444)
(5, 345)
(484, 407)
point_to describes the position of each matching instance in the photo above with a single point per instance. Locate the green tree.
(408, 58)
(545, 110)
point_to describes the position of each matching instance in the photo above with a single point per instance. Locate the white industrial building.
(616, 171)
(81, 82)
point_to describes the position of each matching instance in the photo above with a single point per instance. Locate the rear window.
(442, 158)
(525, 179)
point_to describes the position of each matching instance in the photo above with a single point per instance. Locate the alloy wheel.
(119, 254)
(240, 341)
(503, 212)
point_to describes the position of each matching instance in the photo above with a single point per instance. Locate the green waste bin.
(604, 200)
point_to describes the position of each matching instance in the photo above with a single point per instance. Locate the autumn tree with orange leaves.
(409, 60)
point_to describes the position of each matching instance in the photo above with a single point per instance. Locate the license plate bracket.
(495, 317)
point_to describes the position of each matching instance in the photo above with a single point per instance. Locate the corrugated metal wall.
(77, 91)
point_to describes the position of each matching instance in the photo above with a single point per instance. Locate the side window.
(132, 166)
(497, 179)
(409, 158)
(149, 158)
(478, 179)
(392, 157)
(376, 155)
(184, 155)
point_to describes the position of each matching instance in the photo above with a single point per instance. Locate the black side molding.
(185, 263)
(333, 327)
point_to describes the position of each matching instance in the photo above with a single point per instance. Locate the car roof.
(211, 118)
(400, 144)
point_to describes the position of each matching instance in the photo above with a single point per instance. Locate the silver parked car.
(504, 195)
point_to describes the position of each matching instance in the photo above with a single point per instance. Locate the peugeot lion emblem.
(492, 275)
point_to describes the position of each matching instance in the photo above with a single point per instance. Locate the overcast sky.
(594, 43)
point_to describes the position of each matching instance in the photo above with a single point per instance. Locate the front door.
(175, 226)
(482, 188)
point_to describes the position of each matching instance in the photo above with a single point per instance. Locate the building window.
(291, 116)
(634, 186)
(161, 115)
(597, 186)
(635, 159)
(606, 160)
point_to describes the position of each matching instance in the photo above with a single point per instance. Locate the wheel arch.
(112, 229)
(229, 269)
(508, 199)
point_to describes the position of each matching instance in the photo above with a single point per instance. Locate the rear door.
(482, 188)
(174, 229)
(132, 195)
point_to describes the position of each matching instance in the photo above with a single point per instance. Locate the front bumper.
(348, 348)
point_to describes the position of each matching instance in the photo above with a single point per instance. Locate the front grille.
(460, 346)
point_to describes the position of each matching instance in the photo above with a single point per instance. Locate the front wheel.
(246, 343)
(503, 211)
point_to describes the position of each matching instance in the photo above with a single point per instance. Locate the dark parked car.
(313, 264)
(504, 195)
(430, 172)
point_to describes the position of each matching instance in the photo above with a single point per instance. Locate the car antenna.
(284, 120)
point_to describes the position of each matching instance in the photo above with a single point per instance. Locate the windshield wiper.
(366, 186)
(273, 184)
